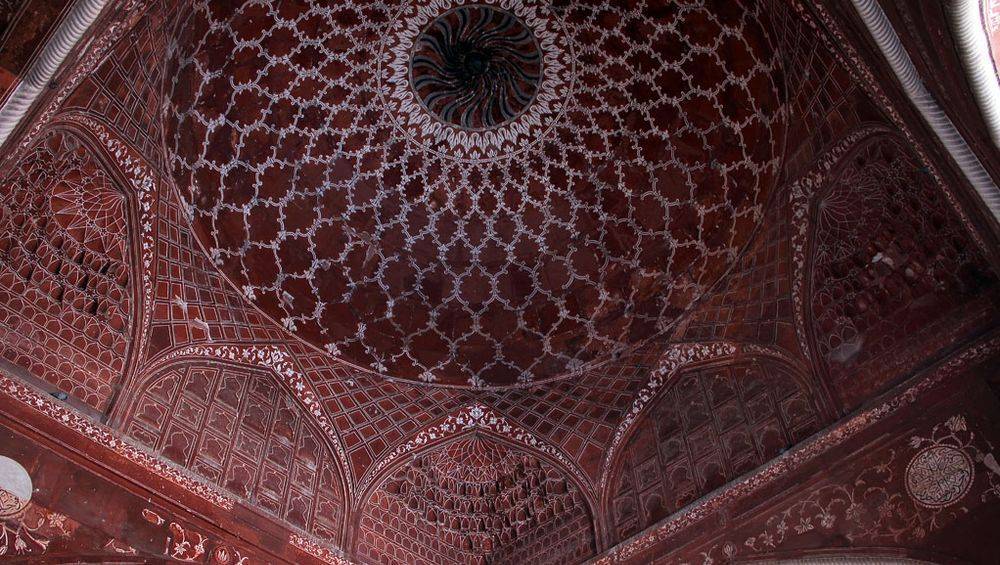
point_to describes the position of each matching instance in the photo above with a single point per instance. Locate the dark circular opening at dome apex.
(476, 67)
(475, 62)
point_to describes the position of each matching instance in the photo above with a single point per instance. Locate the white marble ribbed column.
(892, 49)
(79, 19)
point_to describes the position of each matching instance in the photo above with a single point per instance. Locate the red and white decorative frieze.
(107, 438)
(319, 551)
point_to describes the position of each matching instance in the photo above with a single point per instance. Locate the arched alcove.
(891, 269)
(475, 498)
(239, 428)
(69, 299)
(708, 426)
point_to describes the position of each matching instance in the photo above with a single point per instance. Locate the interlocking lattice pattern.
(474, 500)
(413, 263)
(66, 270)
(239, 429)
(192, 302)
(711, 426)
(753, 302)
(630, 182)
(890, 259)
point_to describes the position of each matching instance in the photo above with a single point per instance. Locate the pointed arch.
(72, 246)
(238, 426)
(887, 258)
(488, 496)
(711, 422)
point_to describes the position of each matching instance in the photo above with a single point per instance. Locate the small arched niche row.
(237, 427)
(705, 427)
(895, 276)
(475, 499)
(67, 279)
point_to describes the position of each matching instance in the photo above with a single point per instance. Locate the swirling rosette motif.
(476, 67)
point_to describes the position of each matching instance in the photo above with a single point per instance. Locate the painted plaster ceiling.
(479, 195)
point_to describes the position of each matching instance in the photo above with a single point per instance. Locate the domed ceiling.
(493, 282)
(474, 194)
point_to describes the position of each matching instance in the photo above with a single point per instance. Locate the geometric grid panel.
(754, 303)
(124, 91)
(709, 427)
(824, 101)
(579, 416)
(192, 302)
(373, 415)
(237, 428)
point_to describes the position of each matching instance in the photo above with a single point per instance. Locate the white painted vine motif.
(31, 533)
(879, 507)
(940, 474)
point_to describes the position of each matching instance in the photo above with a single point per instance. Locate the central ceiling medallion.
(476, 81)
(476, 67)
(480, 194)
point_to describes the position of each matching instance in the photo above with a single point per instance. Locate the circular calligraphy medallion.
(939, 476)
(15, 488)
